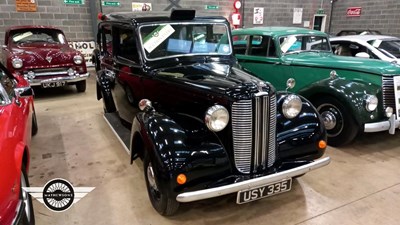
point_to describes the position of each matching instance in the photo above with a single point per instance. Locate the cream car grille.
(254, 135)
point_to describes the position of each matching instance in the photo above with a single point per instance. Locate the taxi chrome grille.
(253, 131)
(388, 92)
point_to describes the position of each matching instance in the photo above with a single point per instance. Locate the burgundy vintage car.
(42, 56)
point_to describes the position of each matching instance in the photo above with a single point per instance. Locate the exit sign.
(114, 4)
(211, 7)
(74, 2)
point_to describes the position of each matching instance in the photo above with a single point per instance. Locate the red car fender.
(19, 156)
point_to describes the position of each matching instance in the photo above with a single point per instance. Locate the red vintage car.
(42, 56)
(17, 124)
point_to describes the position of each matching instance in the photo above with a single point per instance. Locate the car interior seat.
(343, 51)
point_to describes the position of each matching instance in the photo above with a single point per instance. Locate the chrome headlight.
(371, 102)
(217, 117)
(291, 106)
(78, 59)
(17, 63)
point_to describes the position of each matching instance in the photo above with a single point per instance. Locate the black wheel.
(28, 217)
(34, 124)
(340, 126)
(81, 86)
(161, 202)
(108, 101)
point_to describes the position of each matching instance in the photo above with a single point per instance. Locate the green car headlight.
(371, 103)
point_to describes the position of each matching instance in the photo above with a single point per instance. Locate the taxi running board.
(123, 134)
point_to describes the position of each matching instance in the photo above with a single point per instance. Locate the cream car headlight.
(291, 106)
(17, 63)
(78, 59)
(371, 102)
(217, 117)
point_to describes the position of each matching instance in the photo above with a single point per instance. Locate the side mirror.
(363, 55)
(23, 92)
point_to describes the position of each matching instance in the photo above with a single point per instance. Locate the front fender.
(176, 148)
(298, 138)
(349, 92)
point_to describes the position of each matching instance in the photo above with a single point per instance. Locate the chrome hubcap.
(333, 119)
(329, 120)
(151, 178)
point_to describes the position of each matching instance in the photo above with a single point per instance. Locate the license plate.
(263, 191)
(53, 84)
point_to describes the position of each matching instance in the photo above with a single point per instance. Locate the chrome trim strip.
(249, 184)
(257, 131)
(272, 131)
(50, 73)
(265, 125)
(69, 79)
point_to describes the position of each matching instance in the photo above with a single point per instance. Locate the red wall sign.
(354, 11)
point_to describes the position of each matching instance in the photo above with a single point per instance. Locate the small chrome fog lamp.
(389, 111)
(71, 72)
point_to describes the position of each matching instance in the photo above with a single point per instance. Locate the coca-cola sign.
(354, 11)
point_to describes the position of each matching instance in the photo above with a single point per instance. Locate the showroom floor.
(360, 186)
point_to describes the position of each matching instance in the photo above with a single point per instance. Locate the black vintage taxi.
(173, 92)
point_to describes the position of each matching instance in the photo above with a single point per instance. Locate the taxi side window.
(106, 39)
(125, 43)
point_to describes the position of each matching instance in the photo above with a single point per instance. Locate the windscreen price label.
(155, 38)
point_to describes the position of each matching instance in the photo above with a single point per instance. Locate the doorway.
(319, 22)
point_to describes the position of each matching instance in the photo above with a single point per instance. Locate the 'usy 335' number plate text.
(263, 191)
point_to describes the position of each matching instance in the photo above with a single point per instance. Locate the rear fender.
(21, 156)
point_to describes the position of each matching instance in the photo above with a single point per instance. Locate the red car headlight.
(17, 63)
(78, 59)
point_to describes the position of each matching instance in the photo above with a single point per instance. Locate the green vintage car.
(352, 95)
